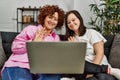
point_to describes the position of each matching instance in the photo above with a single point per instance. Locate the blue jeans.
(17, 73)
(101, 76)
(99, 71)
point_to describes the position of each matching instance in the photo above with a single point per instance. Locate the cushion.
(108, 44)
(115, 52)
(7, 39)
(2, 54)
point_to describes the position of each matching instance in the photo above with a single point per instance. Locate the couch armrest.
(7, 39)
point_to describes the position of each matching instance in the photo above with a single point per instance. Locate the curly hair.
(50, 10)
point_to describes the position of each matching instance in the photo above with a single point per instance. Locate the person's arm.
(19, 43)
(99, 52)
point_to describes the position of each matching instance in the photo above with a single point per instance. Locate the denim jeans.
(17, 73)
(104, 76)
(99, 72)
(100, 76)
(91, 68)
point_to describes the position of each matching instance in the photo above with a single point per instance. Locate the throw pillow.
(115, 52)
(2, 54)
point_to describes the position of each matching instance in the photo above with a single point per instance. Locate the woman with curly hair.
(17, 66)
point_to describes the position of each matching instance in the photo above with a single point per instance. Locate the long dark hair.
(82, 28)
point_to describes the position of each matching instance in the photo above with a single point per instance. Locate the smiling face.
(51, 21)
(73, 22)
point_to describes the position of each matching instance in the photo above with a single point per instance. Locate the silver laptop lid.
(56, 57)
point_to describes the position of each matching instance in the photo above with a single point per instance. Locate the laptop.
(56, 57)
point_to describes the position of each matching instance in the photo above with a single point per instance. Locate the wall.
(8, 10)
(84, 9)
(6, 15)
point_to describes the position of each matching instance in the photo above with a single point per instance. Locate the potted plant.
(107, 16)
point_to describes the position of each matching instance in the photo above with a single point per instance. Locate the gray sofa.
(8, 37)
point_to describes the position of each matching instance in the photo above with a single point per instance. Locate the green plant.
(107, 16)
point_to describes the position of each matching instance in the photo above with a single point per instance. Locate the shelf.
(28, 22)
(29, 9)
(25, 18)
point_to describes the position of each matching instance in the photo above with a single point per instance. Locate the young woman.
(17, 66)
(96, 62)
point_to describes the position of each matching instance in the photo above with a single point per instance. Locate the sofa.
(8, 37)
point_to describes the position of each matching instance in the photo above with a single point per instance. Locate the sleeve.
(95, 37)
(19, 43)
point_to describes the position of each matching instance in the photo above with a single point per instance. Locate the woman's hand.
(40, 35)
(89, 75)
(71, 39)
